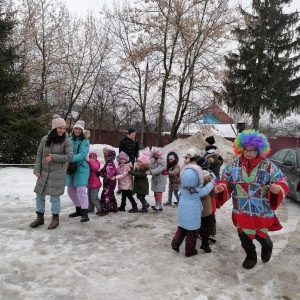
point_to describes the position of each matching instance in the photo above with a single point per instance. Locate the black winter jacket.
(130, 147)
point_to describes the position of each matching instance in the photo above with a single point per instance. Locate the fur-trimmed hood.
(86, 134)
(197, 169)
(156, 151)
(175, 155)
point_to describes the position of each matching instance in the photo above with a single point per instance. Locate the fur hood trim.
(197, 169)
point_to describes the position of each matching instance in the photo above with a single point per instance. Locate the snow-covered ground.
(128, 256)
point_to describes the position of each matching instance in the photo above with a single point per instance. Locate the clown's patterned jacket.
(247, 182)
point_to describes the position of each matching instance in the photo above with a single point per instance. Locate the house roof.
(215, 111)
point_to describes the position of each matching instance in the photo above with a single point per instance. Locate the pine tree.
(22, 123)
(263, 76)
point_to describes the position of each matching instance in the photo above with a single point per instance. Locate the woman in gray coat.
(50, 168)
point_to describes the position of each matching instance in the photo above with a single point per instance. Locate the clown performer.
(257, 187)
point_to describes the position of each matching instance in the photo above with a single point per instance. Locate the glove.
(165, 172)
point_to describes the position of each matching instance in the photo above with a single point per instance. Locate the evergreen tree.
(22, 123)
(263, 76)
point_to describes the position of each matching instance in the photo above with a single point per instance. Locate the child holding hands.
(94, 183)
(125, 182)
(140, 182)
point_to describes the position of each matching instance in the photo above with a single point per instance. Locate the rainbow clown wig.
(251, 137)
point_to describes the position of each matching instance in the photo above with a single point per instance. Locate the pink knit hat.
(93, 154)
(58, 122)
(143, 157)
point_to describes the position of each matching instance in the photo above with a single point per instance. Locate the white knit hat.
(79, 124)
(58, 122)
(191, 152)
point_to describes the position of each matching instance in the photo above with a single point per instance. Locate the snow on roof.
(225, 130)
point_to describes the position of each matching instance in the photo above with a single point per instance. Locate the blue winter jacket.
(190, 206)
(82, 173)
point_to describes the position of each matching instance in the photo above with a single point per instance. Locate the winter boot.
(38, 221)
(205, 246)
(144, 209)
(251, 258)
(266, 252)
(212, 239)
(134, 209)
(153, 206)
(168, 203)
(54, 222)
(205, 232)
(190, 243)
(103, 213)
(175, 247)
(121, 208)
(157, 206)
(84, 215)
(77, 213)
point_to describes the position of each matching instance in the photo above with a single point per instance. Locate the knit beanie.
(79, 124)
(93, 154)
(191, 152)
(131, 130)
(210, 140)
(122, 155)
(203, 163)
(58, 122)
(143, 158)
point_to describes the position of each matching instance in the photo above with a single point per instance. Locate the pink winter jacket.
(94, 180)
(125, 181)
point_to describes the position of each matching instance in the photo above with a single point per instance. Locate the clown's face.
(250, 152)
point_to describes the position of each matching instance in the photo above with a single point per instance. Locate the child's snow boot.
(205, 246)
(121, 208)
(134, 209)
(157, 206)
(144, 209)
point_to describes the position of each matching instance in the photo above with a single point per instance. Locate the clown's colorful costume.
(247, 181)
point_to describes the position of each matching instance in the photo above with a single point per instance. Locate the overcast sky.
(80, 6)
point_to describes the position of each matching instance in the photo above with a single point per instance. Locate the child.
(173, 170)
(108, 200)
(189, 209)
(158, 181)
(125, 182)
(140, 182)
(216, 162)
(206, 201)
(94, 183)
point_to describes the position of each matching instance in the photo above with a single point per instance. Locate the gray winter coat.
(53, 174)
(158, 180)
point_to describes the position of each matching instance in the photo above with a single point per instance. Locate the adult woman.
(50, 169)
(257, 187)
(78, 181)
